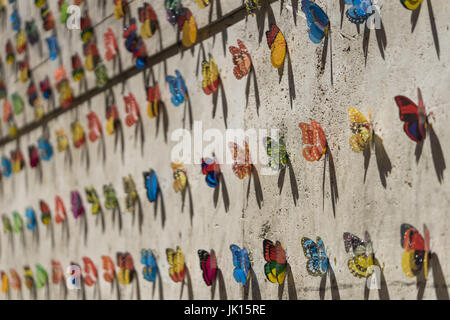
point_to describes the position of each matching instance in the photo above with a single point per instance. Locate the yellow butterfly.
(277, 45)
(361, 128)
(62, 140)
(202, 3)
(179, 176)
(411, 4)
(189, 30)
(176, 262)
(210, 72)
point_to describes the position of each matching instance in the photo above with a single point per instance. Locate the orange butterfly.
(241, 59)
(314, 137)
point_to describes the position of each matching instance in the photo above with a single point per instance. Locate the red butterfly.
(415, 117)
(95, 127)
(241, 59)
(314, 137)
(208, 264)
(132, 110)
(90, 272)
(417, 250)
(110, 45)
(60, 210)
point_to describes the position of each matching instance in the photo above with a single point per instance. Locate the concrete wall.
(412, 195)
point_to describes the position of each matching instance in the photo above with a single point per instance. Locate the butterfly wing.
(360, 128)
(411, 4)
(317, 20)
(414, 119)
(277, 45)
(415, 256)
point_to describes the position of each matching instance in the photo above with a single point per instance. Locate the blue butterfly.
(151, 184)
(31, 219)
(45, 149)
(53, 47)
(317, 20)
(360, 11)
(6, 167)
(212, 171)
(241, 263)
(150, 267)
(177, 88)
(15, 20)
(317, 265)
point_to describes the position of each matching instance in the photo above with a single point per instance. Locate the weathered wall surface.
(412, 195)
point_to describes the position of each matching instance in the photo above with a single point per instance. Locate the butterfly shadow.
(291, 80)
(183, 199)
(136, 289)
(257, 185)
(328, 41)
(188, 110)
(294, 4)
(293, 181)
(84, 225)
(219, 15)
(333, 285)
(252, 75)
(266, 10)
(292, 291)
(160, 198)
(219, 281)
(437, 154)
(225, 196)
(140, 213)
(383, 162)
(101, 148)
(224, 102)
(440, 284)
(160, 285)
(334, 193)
(188, 282)
(380, 34)
(383, 292)
(68, 158)
(117, 211)
(139, 133)
(85, 154)
(254, 285)
(415, 17)
(161, 48)
(101, 217)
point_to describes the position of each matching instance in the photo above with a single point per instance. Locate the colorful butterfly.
(130, 189)
(126, 268)
(275, 268)
(120, 8)
(45, 149)
(101, 75)
(242, 166)
(317, 264)
(211, 169)
(53, 47)
(18, 160)
(175, 258)
(21, 42)
(314, 137)
(31, 219)
(277, 45)
(90, 274)
(5, 282)
(359, 11)
(361, 128)
(211, 78)
(110, 271)
(241, 59)
(241, 263)
(28, 276)
(151, 185)
(417, 255)
(77, 204)
(78, 136)
(179, 176)
(46, 88)
(411, 4)
(415, 117)
(149, 21)
(95, 127)
(150, 269)
(32, 32)
(173, 9)
(16, 282)
(202, 3)
(177, 88)
(7, 227)
(208, 264)
(57, 272)
(110, 45)
(46, 216)
(93, 199)
(252, 6)
(276, 151)
(6, 167)
(77, 68)
(111, 201)
(131, 109)
(188, 26)
(87, 31)
(41, 277)
(60, 209)
(135, 45)
(18, 222)
(61, 140)
(362, 262)
(317, 20)
(154, 101)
